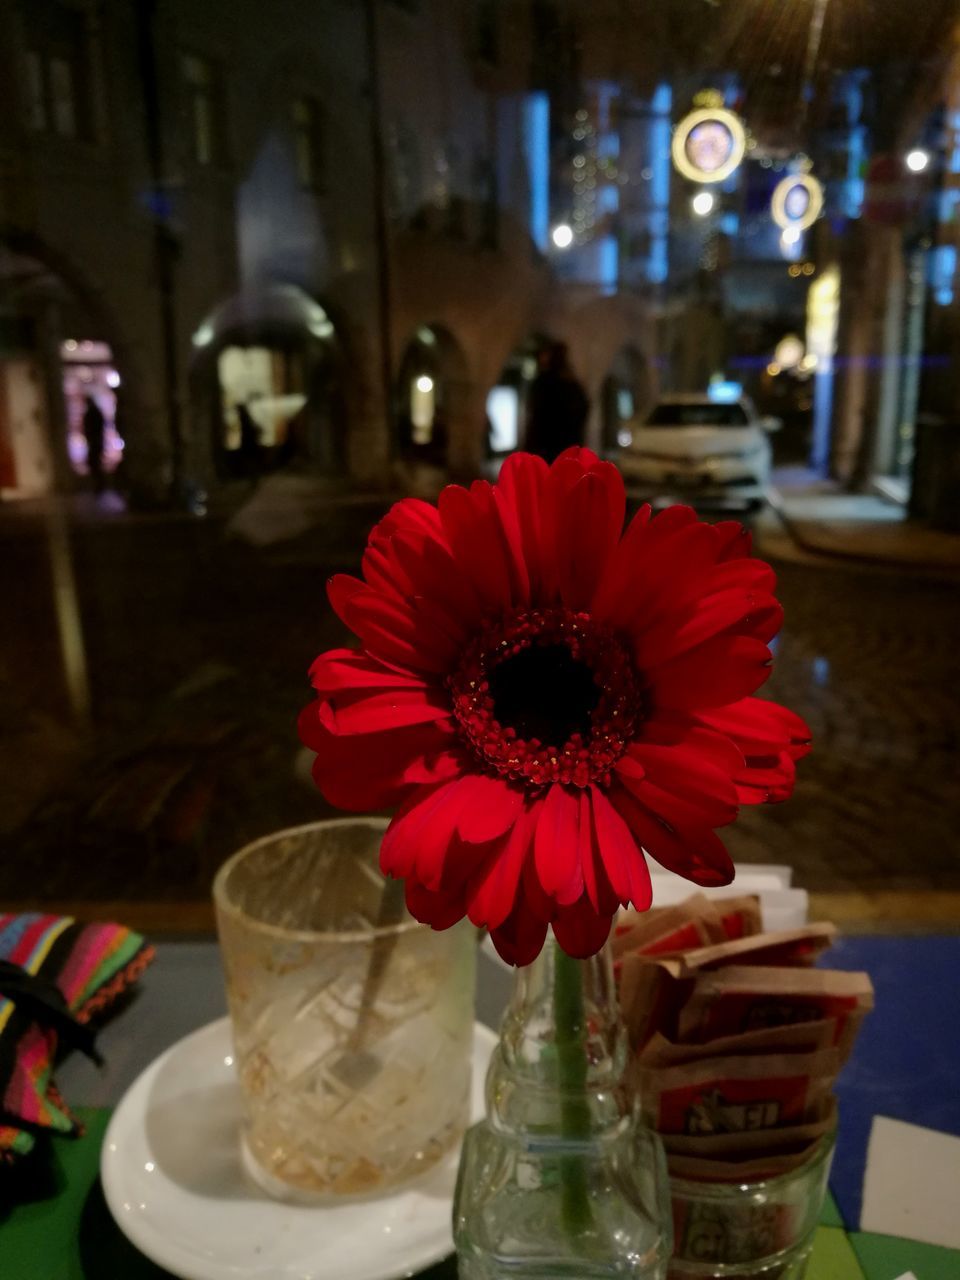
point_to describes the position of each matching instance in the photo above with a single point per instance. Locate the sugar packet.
(739, 998)
(737, 1094)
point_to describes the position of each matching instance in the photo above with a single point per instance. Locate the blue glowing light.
(724, 392)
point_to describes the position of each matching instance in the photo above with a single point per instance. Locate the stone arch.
(267, 383)
(431, 395)
(57, 299)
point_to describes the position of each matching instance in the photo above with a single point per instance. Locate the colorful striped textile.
(91, 964)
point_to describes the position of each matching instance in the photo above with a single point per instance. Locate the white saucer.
(173, 1179)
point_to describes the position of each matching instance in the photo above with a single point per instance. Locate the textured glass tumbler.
(352, 1023)
(751, 1230)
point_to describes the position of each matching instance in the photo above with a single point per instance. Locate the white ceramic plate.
(172, 1176)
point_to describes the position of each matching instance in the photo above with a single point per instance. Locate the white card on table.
(911, 1184)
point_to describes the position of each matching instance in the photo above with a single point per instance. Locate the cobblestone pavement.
(871, 661)
(198, 647)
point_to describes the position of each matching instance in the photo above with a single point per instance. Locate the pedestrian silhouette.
(558, 405)
(93, 425)
(251, 450)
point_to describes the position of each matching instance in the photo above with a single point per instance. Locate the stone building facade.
(322, 182)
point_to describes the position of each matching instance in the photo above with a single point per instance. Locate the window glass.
(697, 415)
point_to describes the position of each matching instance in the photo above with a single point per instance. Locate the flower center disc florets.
(547, 695)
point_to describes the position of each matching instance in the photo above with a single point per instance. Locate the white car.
(703, 448)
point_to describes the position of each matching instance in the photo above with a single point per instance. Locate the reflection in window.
(307, 122)
(423, 408)
(36, 93)
(486, 31)
(57, 71)
(62, 102)
(200, 82)
(262, 391)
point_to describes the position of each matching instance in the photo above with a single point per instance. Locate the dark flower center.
(546, 695)
(544, 692)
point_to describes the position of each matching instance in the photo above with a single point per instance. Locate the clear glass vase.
(561, 1178)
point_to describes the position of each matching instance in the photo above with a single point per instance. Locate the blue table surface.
(906, 1060)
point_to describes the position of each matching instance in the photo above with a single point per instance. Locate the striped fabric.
(91, 964)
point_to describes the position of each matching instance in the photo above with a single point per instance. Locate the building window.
(36, 92)
(486, 31)
(58, 71)
(202, 86)
(307, 120)
(63, 106)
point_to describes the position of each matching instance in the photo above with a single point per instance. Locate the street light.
(425, 383)
(562, 235)
(791, 235)
(702, 203)
(917, 160)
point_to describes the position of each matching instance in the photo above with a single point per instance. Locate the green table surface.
(62, 1230)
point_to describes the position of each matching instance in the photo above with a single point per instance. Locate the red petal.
(580, 931)
(669, 565)
(767, 780)
(420, 836)
(585, 458)
(396, 631)
(374, 771)
(759, 727)
(340, 670)
(587, 534)
(556, 846)
(653, 772)
(602, 896)
(490, 807)
(341, 589)
(735, 542)
(438, 908)
(493, 888)
(476, 538)
(675, 517)
(411, 515)
(434, 575)
(372, 712)
(520, 486)
(682, 809)
(519, 940)
(623, 861)
(583, 508)
(736, 612)
(752, 575)
(380, 573)
(677, 729)
(713, 674)
(615, 582)
(696, 853)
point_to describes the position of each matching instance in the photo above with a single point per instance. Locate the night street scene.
(297, 281)
(267, 269)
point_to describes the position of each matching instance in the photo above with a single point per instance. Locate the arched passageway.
(430, 383)
(267, 382)
(61, 363)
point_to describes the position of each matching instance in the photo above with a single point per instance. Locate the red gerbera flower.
(547, 700)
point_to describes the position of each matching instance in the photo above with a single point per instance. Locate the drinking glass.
(352, 1023)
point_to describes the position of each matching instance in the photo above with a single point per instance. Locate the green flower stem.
(570, 1024)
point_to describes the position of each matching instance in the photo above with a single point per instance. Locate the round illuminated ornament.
(796, 201)
(708, 144)
(789, 351)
